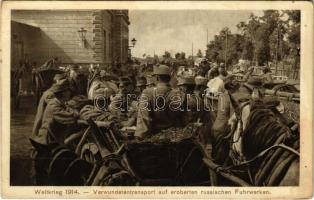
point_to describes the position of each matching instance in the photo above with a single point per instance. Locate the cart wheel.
(77, 172)
(90, 153)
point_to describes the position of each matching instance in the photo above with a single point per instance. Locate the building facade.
(39, 35)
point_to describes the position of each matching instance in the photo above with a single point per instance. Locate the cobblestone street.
(21, 128)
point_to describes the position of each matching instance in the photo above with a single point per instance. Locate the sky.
(175, 30)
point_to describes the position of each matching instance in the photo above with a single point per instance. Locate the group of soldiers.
(151, 103)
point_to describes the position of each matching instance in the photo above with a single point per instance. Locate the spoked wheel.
(90, 153)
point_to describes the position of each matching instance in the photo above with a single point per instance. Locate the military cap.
(61, 86)
(161, 70)
(200, 80)
(186, 80)
(59, 77)
(141, 81)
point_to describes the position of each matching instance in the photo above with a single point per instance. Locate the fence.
(285, 70)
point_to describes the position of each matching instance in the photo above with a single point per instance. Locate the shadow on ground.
(21, 128)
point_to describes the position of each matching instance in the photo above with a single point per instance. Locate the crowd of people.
(147, 103)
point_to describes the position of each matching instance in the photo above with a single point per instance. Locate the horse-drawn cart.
(106, 156)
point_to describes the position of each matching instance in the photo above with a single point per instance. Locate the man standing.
(154, 113)
(216, 87)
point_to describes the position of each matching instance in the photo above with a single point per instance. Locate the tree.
(294, 37)
(156, 59)
(182, 55)
(199, 54)
(177, 56)
(167, 54)
(270, 37)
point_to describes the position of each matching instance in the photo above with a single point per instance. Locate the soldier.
(200, 86)
(78, 81)
(154, 113)
(45, 98)
(248, 74)
(141, 84)
(267, 76)
(56, 112)
(150, 81)
(121, 103)
(216, 86)
(192, 105)
(212, 73)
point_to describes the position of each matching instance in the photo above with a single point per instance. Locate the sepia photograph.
(156, 97)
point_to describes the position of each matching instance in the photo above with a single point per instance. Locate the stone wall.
(23, 41)
(59, 35)
(106, 37)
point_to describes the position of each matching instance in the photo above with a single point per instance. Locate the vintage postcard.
(156, 99)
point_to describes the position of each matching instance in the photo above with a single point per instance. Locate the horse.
(260, 148)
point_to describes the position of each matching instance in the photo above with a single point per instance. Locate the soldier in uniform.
(49, 136)
(154, 113)
(150, 81)
(45, 98)
(141, 84)
(121, 103)
(267, 76)
(200, 86)
(192, 105)
(78, 81)
(213, 72)
(248, 74)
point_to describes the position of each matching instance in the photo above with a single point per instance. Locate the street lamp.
(133, 41)
(82, 35)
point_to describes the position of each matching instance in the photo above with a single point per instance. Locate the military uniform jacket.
(153, 112)
(55, 111)
(45, 98)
